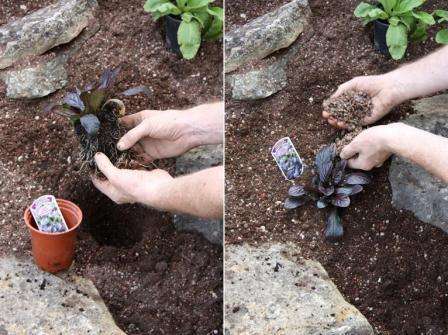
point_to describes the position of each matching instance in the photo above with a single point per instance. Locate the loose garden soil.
(154, 279)
(391, 266)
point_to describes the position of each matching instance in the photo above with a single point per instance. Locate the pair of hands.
(154, 135)
(371, 147)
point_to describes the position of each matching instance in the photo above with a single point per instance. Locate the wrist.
(393, 136)
(160, 194)
(204, 125)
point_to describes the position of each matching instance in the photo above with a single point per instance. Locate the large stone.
(35, 302)
(264, 81)
(258, 84)
(195, 160)
(45, 77)
(270, 290)
(413, 188)
(266, 34)
(44, 29)
(37, 81)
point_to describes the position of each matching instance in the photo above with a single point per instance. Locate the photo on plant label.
(360, 87)
(111, 166)
(287, 158)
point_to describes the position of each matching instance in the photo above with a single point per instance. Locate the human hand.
(371, 148)
(157, 134)
(132, 186)
(382, 89)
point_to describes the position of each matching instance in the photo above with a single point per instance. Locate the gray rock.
(37, 81)
(195, 160)
(258, 84)
(46, 77)
(270, 290)
(264, 81)
(266, 34)
(44, 29)
(413, 188)
(34, 302)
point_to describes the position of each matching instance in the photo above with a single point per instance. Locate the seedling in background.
(199, 20)
(404, 19)
(94, 114)
(442, 17)
(331, 188)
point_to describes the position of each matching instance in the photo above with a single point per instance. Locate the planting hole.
(108, 223)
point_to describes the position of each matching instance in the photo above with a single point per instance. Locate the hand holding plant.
(131, 186)
(157, 134)
(199, 19)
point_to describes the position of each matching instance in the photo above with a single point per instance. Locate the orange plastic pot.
(54, 252)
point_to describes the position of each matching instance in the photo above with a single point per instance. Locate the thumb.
(349, 151)
(134, 135)
(105, 166)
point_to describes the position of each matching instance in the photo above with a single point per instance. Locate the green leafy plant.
(94, 114)
(331, 188)
(405, 22)
(199, 19)
(442, 35)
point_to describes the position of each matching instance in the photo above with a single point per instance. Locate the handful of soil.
(351, 107)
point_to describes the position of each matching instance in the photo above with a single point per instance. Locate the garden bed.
(152, 278)
(389, 265)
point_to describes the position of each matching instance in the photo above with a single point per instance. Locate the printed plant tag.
(47, 215)
(287, 158)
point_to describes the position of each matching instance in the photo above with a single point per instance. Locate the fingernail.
(120, 145)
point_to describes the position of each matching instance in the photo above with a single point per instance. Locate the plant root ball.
(105, 141)
(351, 107)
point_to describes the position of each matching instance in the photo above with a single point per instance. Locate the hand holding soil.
(383, 98)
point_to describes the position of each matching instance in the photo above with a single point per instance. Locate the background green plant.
(199, 20)
(442, 35)
(405, 22)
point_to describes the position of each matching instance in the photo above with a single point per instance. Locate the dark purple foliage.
(331, 187)
(84, 106)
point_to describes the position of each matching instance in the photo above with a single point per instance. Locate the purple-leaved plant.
(331, 187)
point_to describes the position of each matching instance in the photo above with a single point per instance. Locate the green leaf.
(378, 14)
(195, 4)
(442, 14)
(187, 17)
(397, 40)
(181, 4)
(394, 21)
(215, 30)
(189, 38)
(442, 36)
(203, 17)
(363, 9)
(150, 5)
(408, 20)
(424, 17)
(167, 9)
(217, 12)
(420, 33)
(388, 5)
(404, 6)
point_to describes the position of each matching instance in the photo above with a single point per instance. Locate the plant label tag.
(287, 158)
(47, 215)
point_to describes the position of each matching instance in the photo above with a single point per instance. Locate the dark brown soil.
(154, 279)
(350, 107)
(389, 265)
